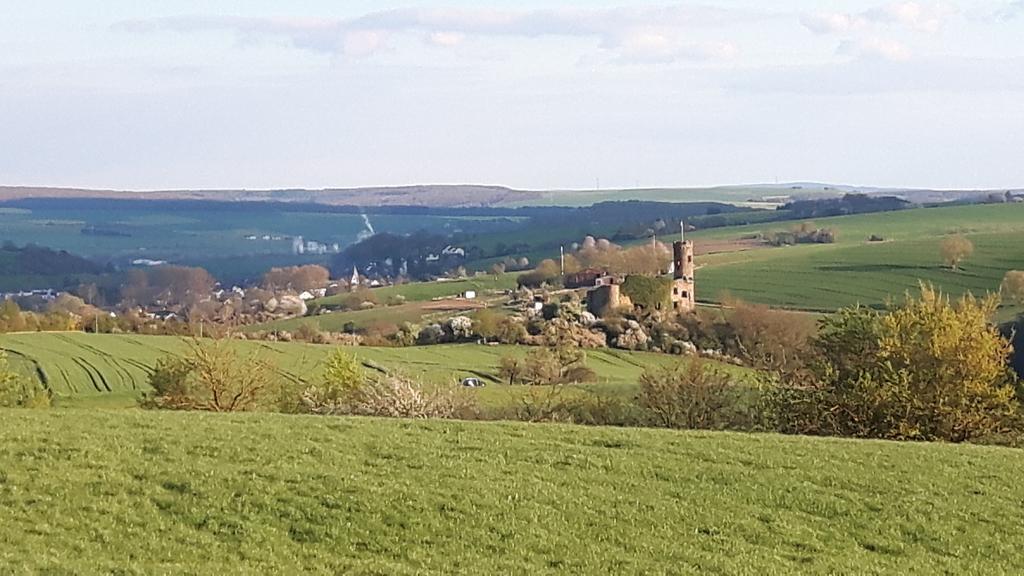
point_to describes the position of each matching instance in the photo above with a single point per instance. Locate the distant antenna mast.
(561, 258)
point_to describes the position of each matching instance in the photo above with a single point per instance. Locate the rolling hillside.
(112, 370)
(827, 276)
(143, 493)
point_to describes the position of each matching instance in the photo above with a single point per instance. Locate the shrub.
(18, 392)
(775, 340)
(955, 249)
(309, 333)
(395, 396)
(692, 395)
(561, 364)
(1012, 287)
(430, 334)
(929, 370)
(340, 388)
(647, 292)
(213, 377)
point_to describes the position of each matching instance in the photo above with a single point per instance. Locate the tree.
(11, 319)
(547, 366)
(485, 323)
(296, 278)
(774, 340)
(955, 249)
(509, 368)
(691, 395)
(1013, 286)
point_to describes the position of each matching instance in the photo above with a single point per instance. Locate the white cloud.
(924, 17)
(631, 33)
(872, 33)
(875, 47)
(446, 39)
(833, 23)
(921, 16)
(1011, 10)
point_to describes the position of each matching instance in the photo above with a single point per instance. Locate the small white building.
(469, 294)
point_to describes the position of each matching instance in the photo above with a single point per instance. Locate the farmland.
(853, 270)
(143, 492)
(422, 291)
(112, 370)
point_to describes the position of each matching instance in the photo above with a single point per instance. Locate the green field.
(142, 493)
(360, 319)
(852, 270)
(423, 291)
(112, 370)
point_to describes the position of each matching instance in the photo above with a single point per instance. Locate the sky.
(146, 94)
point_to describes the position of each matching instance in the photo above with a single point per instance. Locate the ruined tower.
(683, 298)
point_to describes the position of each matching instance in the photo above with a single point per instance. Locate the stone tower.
(683, 285)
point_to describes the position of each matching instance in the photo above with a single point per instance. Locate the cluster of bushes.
(214, 377)
(805, 233)
(929, 369)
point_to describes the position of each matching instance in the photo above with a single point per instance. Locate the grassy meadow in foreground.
(142, 493)
(853, 270)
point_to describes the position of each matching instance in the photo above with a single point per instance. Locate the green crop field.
(412, 312)
(133, 492)
(853, 270)
(112, 370)
(423, 291)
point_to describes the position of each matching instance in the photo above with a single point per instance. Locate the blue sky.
(260, 94)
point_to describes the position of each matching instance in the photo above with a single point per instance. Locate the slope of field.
(113, 369)
(143, 493)
(854, 270)
(422, 291)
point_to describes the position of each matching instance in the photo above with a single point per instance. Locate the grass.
(112, 370)
(412, 312)
(424, 291)
(851, 271)
(143, 493)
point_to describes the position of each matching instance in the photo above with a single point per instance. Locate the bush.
(929, 370)
(691, 395)
(340, 388)
(18, 392)
(563, 364)
(775, 340)
(647, 292)
(214, 378)
(955, 249)
(395, 396)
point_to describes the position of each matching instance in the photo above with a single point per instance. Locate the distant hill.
(426, 195)
(473, 195)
